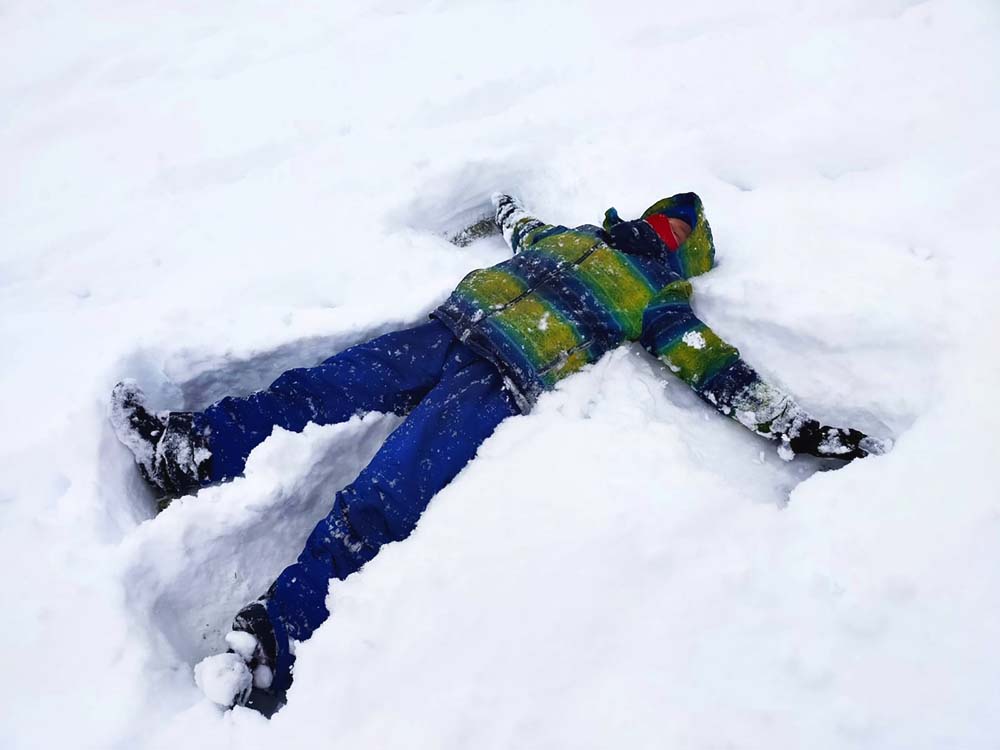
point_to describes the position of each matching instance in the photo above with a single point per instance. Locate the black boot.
(262, 697)
(253, 619)
(172, 457)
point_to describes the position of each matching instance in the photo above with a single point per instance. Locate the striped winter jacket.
(568, 296)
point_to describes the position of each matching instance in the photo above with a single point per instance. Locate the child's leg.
(390, 373)
(178, 452)
(419, 459)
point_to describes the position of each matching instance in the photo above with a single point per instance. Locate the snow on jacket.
(568, 296)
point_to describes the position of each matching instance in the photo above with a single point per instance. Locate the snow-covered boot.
(252, 620)
(171, 455)
(243, 675)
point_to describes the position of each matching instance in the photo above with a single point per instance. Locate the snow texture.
(223, 678)
(121, 408)
(694, 339)
(242, 643)
(200, 196)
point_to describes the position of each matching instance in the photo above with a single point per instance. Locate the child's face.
(681, 230)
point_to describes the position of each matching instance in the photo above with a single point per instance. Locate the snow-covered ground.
(200, 195)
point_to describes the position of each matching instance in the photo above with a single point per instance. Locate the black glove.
(836, 442)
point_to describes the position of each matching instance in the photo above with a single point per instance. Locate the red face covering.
(661, 225)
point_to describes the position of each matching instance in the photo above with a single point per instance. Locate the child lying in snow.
(505, 335)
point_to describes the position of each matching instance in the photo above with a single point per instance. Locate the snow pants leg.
(390, 373)
(417, 460)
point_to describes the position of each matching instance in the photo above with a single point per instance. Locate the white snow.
(241, 643)
(694, 339)
(262, 676)
(199, 196)
(223, 677)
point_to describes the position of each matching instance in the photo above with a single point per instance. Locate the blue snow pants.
(454, 400)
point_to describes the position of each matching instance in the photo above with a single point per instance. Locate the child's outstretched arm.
(714, 369)
(520, 229)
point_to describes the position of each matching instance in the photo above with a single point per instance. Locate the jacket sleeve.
(717, 373)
